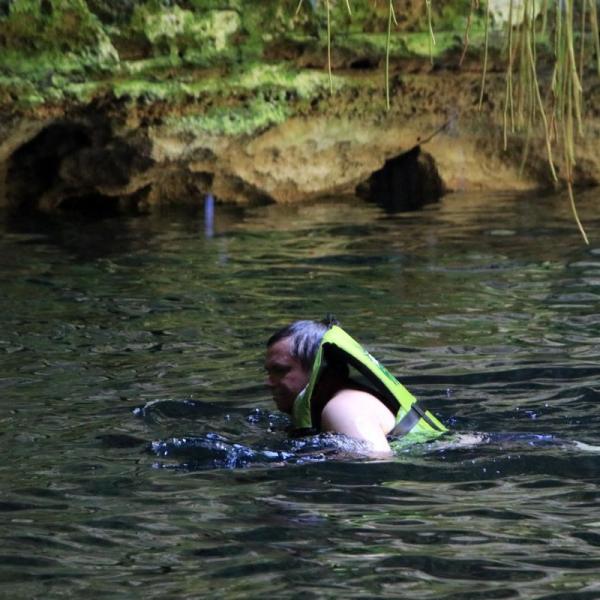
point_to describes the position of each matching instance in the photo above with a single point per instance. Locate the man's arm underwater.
(361, 416)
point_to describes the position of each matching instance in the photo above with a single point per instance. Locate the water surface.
(142, 457)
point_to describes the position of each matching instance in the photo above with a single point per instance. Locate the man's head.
(291, 352)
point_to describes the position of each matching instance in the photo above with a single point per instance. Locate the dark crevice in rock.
(110, 165)
(70, 162)
(364, 63)
(91, 205)
(406, 182)
(34, 168)
(95, 205)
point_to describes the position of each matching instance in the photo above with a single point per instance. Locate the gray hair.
(305, 339)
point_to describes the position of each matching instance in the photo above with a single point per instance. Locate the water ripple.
(137, 343)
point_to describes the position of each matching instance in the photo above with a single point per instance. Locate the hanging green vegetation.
(559, 112)
(555, 107)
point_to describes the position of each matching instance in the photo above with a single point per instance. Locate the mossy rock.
(112, 12)
(202, 38)
(248, 119)
(64, 29)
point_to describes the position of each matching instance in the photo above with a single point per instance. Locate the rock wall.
(114, 105)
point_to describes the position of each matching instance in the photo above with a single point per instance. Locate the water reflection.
(209, 216)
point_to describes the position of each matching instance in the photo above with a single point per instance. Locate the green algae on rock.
(199, 38)
(57, 28)
(245, 120)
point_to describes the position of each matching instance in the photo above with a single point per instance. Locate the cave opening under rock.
(406, 182)
(91, 205)
(34, 169)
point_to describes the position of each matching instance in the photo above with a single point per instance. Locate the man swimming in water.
(308, 366)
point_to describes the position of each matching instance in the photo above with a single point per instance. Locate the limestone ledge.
(271, 138)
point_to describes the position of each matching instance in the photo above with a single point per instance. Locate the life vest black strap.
(410, 419)
(406, 423)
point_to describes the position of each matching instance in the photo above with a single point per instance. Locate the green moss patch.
(255, 116)
(201, 38)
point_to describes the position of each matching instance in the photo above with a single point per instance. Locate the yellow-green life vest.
(339, 346)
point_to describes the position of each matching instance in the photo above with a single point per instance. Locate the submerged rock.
(405, 182)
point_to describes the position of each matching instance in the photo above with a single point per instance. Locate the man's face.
(285, 374)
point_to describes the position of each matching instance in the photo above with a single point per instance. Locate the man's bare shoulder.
(360, 415)
(360, 401)
(354, 396)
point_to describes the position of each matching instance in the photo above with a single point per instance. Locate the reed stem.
(430, 26)
(508, 96)
(582, 40)
(542, 112)
(328, 2)
(595, 33)
(576, 89)
(387, 55)
(474, 3)
(485, 55)
(544, 11)
(576, 214)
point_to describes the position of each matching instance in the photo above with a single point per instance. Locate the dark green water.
(486, 308)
